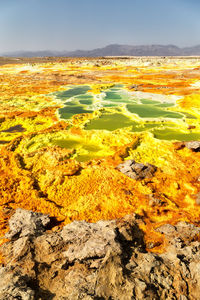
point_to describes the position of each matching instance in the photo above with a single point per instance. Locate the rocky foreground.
(103, 260)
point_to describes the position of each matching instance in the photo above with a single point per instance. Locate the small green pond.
(110, 122)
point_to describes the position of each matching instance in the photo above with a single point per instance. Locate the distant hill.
(115, 50)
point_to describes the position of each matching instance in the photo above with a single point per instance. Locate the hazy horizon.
(66, 50)
(66, 25)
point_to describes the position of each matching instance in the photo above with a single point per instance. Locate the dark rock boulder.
(136, 170)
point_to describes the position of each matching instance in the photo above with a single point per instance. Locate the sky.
(88, 24)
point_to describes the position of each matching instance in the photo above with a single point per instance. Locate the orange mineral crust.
(58, 157)
(47, 181)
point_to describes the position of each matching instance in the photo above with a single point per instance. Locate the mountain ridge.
(114, 50)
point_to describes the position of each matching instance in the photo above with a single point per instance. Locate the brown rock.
(137, 171)
(193, 145)
(103, 260)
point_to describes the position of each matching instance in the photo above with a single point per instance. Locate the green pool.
(118, 108)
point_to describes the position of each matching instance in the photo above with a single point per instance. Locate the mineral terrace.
(100, 178)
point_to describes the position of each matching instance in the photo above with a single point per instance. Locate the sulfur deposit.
(94, 140)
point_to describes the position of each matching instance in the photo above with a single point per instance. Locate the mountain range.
(114, 50)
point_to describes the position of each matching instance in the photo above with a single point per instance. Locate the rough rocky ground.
(103, 260)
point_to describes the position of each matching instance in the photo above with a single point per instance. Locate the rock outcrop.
(193, 145)
(103, 260)
(136, 170)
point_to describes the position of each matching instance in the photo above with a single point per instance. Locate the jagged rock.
(25, 223)
(136, 170)
(193, 145)
(14, 286)
(103, 260)
(89, 240)
(184, 231)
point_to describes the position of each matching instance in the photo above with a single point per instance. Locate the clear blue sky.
(88, 24)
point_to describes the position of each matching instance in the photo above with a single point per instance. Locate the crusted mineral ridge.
(103, 260)
(136, 170)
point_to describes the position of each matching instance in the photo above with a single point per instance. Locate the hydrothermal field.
(66, 125)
